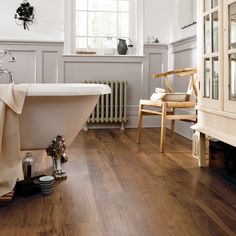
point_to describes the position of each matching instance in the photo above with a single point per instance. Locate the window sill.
(100, 55)
(103, 58)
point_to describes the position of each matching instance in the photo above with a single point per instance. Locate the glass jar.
(27, 165)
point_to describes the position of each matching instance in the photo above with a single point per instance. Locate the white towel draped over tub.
(11, 103)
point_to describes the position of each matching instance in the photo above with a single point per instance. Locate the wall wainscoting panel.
(157, 62)
(137, 70)
(50, 67)
(157, 55)
(127, 68)
(37, 62)
(24, 69)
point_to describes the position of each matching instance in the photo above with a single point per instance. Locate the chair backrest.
(191, 72)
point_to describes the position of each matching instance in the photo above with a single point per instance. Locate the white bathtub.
(56, 109)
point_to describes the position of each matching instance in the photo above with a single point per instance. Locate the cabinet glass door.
(207, 77)
(230, 57)
(215, 77)
(211, 53)
(231, 51)
(214, 3)
(207, 34)
(232, 76)
(215, 32)
(207, 5)
(232, 26)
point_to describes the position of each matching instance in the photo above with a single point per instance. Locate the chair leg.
(140, 120)
(172, 131)
(163, 127)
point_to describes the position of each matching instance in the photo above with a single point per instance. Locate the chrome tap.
(4, 53)
(5, 71)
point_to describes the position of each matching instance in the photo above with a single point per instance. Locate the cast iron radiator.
(111, 108)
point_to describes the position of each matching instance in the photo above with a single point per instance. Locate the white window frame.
(136, 26)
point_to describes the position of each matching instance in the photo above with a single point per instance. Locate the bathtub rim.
(66, 89)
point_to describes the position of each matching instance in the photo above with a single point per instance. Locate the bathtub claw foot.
(59, 174)
(64, 158)
(57, 150)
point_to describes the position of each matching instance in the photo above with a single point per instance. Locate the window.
(99, 23)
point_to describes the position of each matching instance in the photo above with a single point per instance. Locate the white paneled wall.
(110, 68)
(44, 62)
(135, 69)
(157, 62)
(50, 66)
(37, 62)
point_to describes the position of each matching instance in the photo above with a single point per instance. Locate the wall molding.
(183, 45)
(31, 42)
(102, 58)
(183, 41)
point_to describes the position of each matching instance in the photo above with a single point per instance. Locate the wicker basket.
(196, 144)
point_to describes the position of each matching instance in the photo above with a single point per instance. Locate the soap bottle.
(27, 165)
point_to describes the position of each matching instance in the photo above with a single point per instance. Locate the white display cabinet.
(216, 72)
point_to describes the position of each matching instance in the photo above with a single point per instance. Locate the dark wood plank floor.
(116, 187)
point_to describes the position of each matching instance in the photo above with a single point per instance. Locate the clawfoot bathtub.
(56, 109)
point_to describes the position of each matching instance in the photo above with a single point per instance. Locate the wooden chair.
(168, 103)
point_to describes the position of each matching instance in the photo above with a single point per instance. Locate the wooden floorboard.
(116, 187)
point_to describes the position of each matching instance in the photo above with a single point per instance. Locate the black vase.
(122, 47)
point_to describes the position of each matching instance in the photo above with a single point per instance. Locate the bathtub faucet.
(5, 71)
(4, 53)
